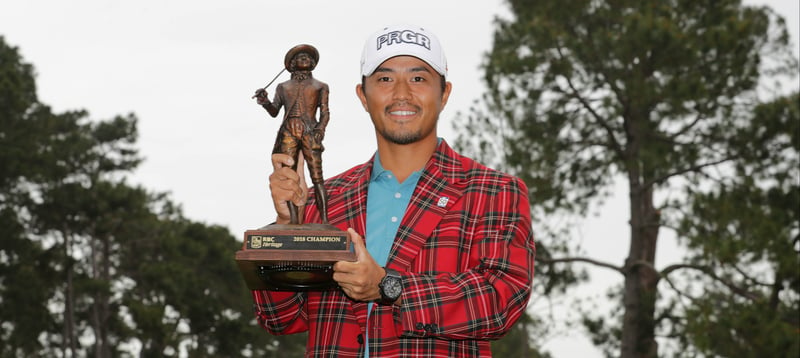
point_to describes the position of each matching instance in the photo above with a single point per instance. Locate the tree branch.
(679, 292)
(695, 168)
(686, 128)
(615, 146)
(584, 259)
(710, 272)
(751, 279)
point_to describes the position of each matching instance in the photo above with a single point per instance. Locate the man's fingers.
(288, 184)
(359, 279)
(300, 196)
(280, 160)
(284, 179)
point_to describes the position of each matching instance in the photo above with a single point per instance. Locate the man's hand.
(359, 280)
(261, 96)
(287, 184)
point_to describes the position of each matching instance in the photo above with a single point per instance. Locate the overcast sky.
(187, 69)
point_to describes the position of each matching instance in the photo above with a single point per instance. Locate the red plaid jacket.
(465, 251)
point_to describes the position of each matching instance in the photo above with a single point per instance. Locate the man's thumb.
(358, 243)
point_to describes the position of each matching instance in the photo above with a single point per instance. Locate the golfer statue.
(300, 97)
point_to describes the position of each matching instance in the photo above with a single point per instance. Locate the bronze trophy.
(297, 256)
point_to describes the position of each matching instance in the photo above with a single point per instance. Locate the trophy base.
(293, 257)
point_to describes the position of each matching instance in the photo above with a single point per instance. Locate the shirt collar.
(380, 173)
(377, 168)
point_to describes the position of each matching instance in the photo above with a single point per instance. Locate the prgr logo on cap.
(402, 40)
(405, 36)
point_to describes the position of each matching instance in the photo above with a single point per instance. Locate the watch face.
(392, 288)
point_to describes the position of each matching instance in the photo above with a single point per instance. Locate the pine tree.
(584, 93)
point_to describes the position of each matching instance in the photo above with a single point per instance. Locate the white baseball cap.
(400, 40)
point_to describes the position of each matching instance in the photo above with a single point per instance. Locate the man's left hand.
(359, 280)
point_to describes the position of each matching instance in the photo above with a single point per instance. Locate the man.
(300, 131)
(444, 250)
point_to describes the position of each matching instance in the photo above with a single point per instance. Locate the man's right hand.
(287, 184)
(261, 96)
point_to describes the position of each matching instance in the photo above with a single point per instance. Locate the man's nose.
(402, 91)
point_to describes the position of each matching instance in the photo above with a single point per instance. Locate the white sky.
(187, 69)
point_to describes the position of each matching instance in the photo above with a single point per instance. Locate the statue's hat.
(310, 50)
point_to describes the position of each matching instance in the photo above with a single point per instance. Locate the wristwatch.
(391, 286)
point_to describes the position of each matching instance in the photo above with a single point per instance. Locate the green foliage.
(600, 87)
(85, 254)
(187, 268)
(662, 95)
(518, 342)
(26, 277)
(26, 284)
(17, 96)
(746, 232)
(605, 329)
(722, 327)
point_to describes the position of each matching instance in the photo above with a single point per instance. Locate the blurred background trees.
(664, 96)
(93, 266)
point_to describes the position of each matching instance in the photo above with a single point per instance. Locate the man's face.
(404, 98)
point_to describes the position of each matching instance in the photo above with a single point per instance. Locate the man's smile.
(403, 110)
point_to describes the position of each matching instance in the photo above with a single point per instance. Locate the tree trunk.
(638, 327)
(70, 344)
(105, 306)
(95, 314)
(100, 307)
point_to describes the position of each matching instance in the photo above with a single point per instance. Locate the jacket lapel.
(440, 187)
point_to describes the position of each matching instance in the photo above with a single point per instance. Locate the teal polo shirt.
(387, 200)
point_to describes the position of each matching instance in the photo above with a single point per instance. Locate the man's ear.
(362, 96)
(446, 93)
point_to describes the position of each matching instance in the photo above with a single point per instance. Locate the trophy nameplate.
(293, 257)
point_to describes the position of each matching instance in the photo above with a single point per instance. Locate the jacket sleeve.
(283, 312)
(483, 300)
(280, 312)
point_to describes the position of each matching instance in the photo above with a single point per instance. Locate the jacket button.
(420, 326)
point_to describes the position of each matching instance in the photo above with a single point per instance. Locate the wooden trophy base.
(293, 257)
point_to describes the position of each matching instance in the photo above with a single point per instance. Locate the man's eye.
(417, 79)
(384, 79)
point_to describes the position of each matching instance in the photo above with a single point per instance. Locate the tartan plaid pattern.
(466, 262)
